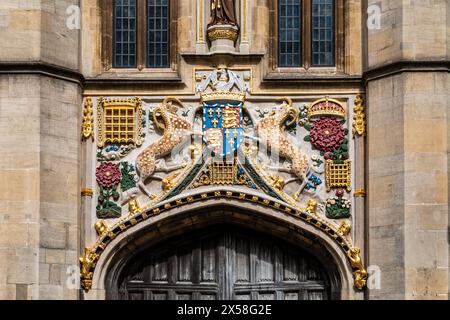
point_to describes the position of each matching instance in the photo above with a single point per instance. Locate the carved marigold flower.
(327, 134)
(108, 175)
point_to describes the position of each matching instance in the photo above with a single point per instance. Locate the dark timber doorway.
(223, 263)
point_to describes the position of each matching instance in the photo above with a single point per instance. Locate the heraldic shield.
(222, 127)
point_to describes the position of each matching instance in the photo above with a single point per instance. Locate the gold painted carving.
(345, 228)
(231, 118)
(277, 183)
(87, 192)
(134, 207)
(360, 193)
(88, 121)
(222, 173)
(222, 33)
(203, 180)
(223, 95)
(101, 228)
(200, 21)
(360, 274)
(312, 207)
(169, 182)
(359, 119)
(338, 175)
(326, 107)
(119, 121)
(87, 266)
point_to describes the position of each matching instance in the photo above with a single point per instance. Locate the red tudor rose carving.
(108, 175)
(327, 134)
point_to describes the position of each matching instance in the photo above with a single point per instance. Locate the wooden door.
(225, 264)
(270, 270)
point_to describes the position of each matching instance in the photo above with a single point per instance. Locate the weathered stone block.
(53, 235)
(23, 266)
(54, 256)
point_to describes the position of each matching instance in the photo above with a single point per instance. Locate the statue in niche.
(223, 12)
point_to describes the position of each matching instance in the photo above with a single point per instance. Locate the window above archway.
(307, 34)
(139, 34)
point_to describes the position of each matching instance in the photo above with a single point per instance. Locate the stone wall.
(39, 126)
(35, 30)
(40, 119)
(19, 198)
(408, 152)
(410, 30)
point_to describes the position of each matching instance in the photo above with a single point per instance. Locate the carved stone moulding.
(107, 234)
(227, 32)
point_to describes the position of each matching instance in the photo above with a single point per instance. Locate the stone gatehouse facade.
(224, 149)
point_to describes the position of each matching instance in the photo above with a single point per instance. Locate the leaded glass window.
(158, 34)
(306, 33)
(124, 34)
(323, 32)
(289, 22)
(140, 34)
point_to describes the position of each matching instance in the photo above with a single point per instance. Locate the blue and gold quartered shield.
(222, 127)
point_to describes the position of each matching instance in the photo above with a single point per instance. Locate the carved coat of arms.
(222, 127)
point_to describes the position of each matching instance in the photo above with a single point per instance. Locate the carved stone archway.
(225, 262)
(195, 216)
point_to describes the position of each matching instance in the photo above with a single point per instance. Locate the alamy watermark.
(374, 278)
(374, 17)
(73, 21)
(73, 277)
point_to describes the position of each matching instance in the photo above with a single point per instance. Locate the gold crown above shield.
(326, 107)
(223, 95)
